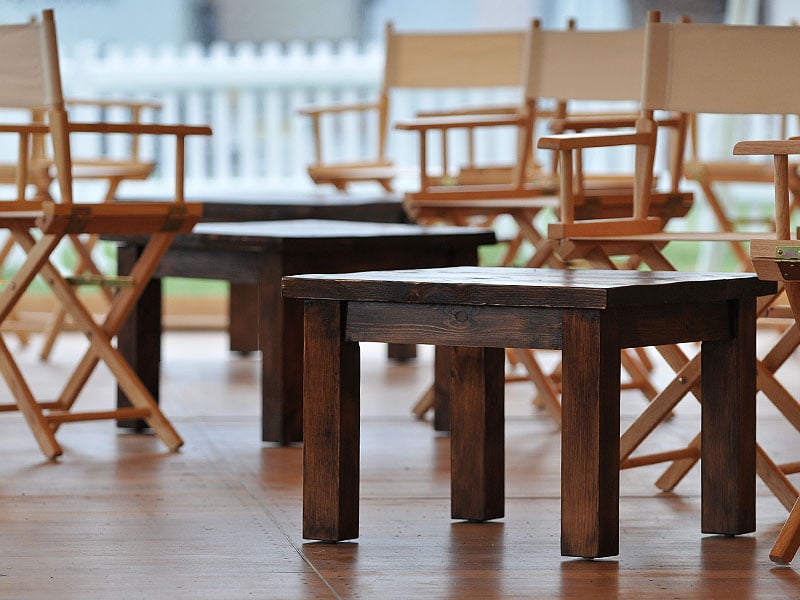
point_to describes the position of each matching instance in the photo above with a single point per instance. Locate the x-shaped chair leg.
(687, 379)
(99, 336)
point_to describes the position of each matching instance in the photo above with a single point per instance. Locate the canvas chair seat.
(109, 169)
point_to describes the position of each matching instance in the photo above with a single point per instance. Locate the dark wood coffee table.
(247, 206)
(258, 254)
(240, 206)
(477, 312)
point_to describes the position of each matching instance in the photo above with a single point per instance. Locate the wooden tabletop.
(314, 234)
(238, 206)
(506, 286)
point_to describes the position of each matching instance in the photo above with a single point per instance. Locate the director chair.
(416, 61)
(567, 68)
(689, 68)
(30, 79)
(780, 261)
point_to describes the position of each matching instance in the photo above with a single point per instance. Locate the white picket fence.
(249, 95)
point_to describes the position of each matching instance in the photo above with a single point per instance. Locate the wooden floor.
(119, 517)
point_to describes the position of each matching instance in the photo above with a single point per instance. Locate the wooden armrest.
(456, 121)
(113, 103)
(591, 140)
(670, 122)
(337, 108)
(472, 110)
(580, 123)
(139, 128)
(24, 128)
(790, 146)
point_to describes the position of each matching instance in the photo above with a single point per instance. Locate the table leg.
(139, 339)
(728, 449)
(401, 352)
(590, 434)
(442, 358)
(242, 313)
(280, 331)
(477, 439)
(331, 426)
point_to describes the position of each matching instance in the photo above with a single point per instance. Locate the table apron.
(530, 327)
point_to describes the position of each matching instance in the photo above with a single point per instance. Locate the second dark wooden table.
(247, 206)
(259, 254)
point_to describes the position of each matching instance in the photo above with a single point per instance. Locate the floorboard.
(118, 516)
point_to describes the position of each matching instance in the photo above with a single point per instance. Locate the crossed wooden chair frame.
(39, 226)
(688, 57)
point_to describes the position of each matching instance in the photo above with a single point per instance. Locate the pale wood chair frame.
(729, 85)
(779, 261)
(55, 221)
(422, 61)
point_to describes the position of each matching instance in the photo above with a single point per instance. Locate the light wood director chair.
(566, 66)
(563, 67)
(780, 261)
(31, 80)
(413, 60)
(689, 68)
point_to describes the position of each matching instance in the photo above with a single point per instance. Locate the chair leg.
(512, 249)
(100, 336)
(775, 479)
(22, 334)
(101, 348)
(424, 404)
(85, 264)
(27, 405)
(638, 375)
(788, 541)
(548, 392)
(742, 255)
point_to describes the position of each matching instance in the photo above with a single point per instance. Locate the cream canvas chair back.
(415, 60)
(26, 62)
(576, 65)
(480, 59)
(723, 69)
(455, 60)
(30, 71)
(558, 68)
